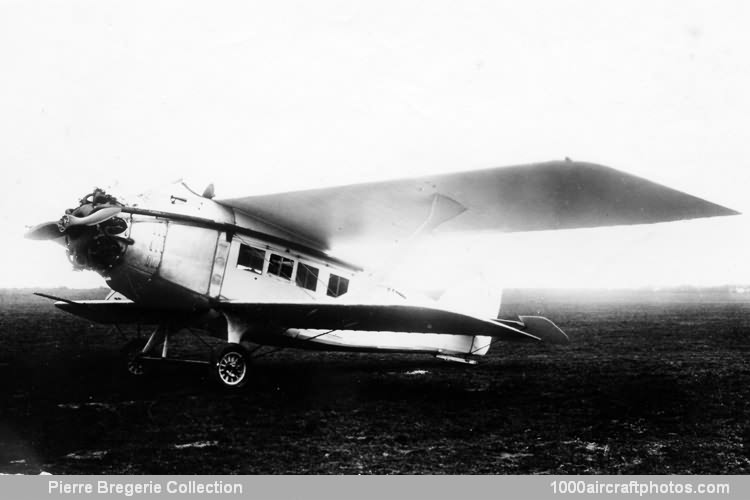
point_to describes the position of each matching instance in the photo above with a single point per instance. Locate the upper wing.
(543, 196)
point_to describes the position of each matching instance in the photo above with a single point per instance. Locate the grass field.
(651, 383)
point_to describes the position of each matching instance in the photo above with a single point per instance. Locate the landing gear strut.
(230, 365)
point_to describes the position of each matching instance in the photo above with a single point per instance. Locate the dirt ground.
(648, 385)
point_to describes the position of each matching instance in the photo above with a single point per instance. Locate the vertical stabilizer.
(475, 297)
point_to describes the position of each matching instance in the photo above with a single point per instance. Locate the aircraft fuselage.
(182, 251)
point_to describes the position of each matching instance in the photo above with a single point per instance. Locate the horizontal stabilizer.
(540, 327)
(544, 328)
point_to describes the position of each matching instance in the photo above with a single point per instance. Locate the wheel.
(230, 365)
(132, 352)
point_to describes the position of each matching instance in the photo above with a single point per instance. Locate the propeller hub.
(92, 233)
(63, 223)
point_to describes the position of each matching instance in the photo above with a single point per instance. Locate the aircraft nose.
(90, 232)
(56, 229)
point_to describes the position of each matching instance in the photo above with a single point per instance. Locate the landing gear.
(132, 358)
(230, 365)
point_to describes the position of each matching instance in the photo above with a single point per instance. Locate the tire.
(132, 363)
(230, 366)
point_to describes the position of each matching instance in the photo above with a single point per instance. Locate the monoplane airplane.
(258, 270)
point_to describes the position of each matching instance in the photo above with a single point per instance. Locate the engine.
(92, 233)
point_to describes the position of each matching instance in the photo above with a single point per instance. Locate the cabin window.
(337, 286)
(307, 276)
(281, 266)
(251, 259)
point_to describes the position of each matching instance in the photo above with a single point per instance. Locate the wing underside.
(328, 316)
(544, 196)
(123, 312)
(373, 317)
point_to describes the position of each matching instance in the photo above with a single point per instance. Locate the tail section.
(542, 328)
(475, 297)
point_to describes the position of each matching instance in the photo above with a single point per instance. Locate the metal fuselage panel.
(177, 264)
(170, 263)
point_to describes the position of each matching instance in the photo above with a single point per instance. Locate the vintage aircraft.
(258, 269)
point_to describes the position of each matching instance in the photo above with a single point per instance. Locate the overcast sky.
(272, 96)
